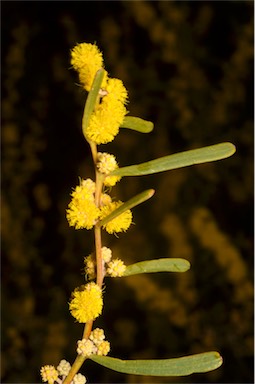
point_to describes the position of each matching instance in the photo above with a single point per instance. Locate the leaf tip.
(233, 148)
(151, 192)
(220, 358)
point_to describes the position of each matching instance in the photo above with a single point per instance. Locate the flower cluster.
(106, 254)
(95, 344)
(82, 211)
(120, 223)
(116, 268)
(50, 374)
(90, 205)
(109, 113)
(86, 303)
(105, 165)
(113, 268)
(64, 367)
(86, 59)
(90, 267)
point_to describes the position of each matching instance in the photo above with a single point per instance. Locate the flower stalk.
(74, 369)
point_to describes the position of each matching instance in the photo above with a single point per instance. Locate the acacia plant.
(91, 206)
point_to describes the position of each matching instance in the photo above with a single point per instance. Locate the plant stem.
(74, 369)
(100, 265)
(98, 246)
(87, 329)
(93, 148)
(98, 239)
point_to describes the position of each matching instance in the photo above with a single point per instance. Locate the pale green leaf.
(179, 160)
(92, 99)
(159, 265)
(137, 124)
(138, 199)
(181, 366)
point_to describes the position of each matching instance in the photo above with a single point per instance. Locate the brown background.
(188, 67)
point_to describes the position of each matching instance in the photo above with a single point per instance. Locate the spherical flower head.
(105, 199)
(79, 379)
(97, 336)
(64, 367)
(116, 268)
(90, 266)
(115, 88)
(85, 190)
(86, 303)
(49, 374)
(87, 59)
(106, 163)
(88, 185)
(110, 181)
(103, 348)
(106, 254)
(82, 211)
(120, 223)
(86, 347)
(105, 121)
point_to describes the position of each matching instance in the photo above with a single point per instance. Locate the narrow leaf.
(138, 199)
(159, 265)
(179, 160)
(92, 99)
(137, 124)
(181, 366)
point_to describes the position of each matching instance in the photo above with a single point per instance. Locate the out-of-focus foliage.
(188, 68)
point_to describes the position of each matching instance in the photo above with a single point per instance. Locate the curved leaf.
(159, 265)
(138, 199)
(181, 366)
(179, 160)
(92, 99)
(137, 124)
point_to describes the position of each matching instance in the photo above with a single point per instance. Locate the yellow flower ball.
(110, 181)
(90, 267)
(103, 348)
(116, 88)
(86, 303)
(106, 163)
(87, 59)
(116, 268)
(121, 223)
(97, 336)
(49, 374)
(82, 211)
(86, 347)
(105, 121)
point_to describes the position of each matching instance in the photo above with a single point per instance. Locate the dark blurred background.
(188, 67)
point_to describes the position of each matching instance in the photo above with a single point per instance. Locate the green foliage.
(137, 124)
(182, 366)
(168, 367)
(179, 160)
(134, 201)
(203, 94)
(158, 265)
(92, 99)
(178, 366)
